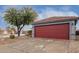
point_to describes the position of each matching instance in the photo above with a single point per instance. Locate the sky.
(43, 11)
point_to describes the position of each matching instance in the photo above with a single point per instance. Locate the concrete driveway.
(39, 45)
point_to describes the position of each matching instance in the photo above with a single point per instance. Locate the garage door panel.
(60, 31)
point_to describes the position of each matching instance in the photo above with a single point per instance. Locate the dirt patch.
(38, 45)
(5, 41)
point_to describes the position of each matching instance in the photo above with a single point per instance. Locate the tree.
(20, 17)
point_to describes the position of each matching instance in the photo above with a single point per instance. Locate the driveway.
(40, 45)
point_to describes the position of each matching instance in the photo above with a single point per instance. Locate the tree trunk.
(19, 30)
(19, 33)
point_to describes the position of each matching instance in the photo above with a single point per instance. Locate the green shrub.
(12, 36)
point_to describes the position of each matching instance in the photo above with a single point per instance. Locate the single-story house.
(6, 31)
(55, 27)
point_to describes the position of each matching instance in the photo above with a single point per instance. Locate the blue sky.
(43, 11)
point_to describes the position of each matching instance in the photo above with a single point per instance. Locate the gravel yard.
(38, 45)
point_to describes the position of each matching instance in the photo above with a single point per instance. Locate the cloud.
(65, 11)
(50, 12)
(2, 14)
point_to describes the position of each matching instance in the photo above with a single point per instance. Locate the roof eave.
(73, 19)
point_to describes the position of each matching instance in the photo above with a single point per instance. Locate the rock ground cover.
(26, 44)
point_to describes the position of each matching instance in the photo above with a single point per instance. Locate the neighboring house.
(5, 32)
(10, 31)
(24, 32)
(56, 27)
(2, 31)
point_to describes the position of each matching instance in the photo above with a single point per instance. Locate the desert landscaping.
(25, 44)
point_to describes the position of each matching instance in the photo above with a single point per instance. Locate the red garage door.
(60, 31)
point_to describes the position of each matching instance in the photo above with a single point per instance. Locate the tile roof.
(53, 19)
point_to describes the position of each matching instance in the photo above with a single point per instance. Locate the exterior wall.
(72, 30)
(33, 31)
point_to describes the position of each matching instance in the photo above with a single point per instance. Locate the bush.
(29, 33)
(12, 36)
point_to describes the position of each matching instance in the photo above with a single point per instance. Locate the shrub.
(29, 33)
(12, 36)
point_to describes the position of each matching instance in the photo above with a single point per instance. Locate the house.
(56, 27)
(6, 31)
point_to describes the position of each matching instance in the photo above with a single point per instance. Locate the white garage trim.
(33, 32)
(72, 31)
(52, 23)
